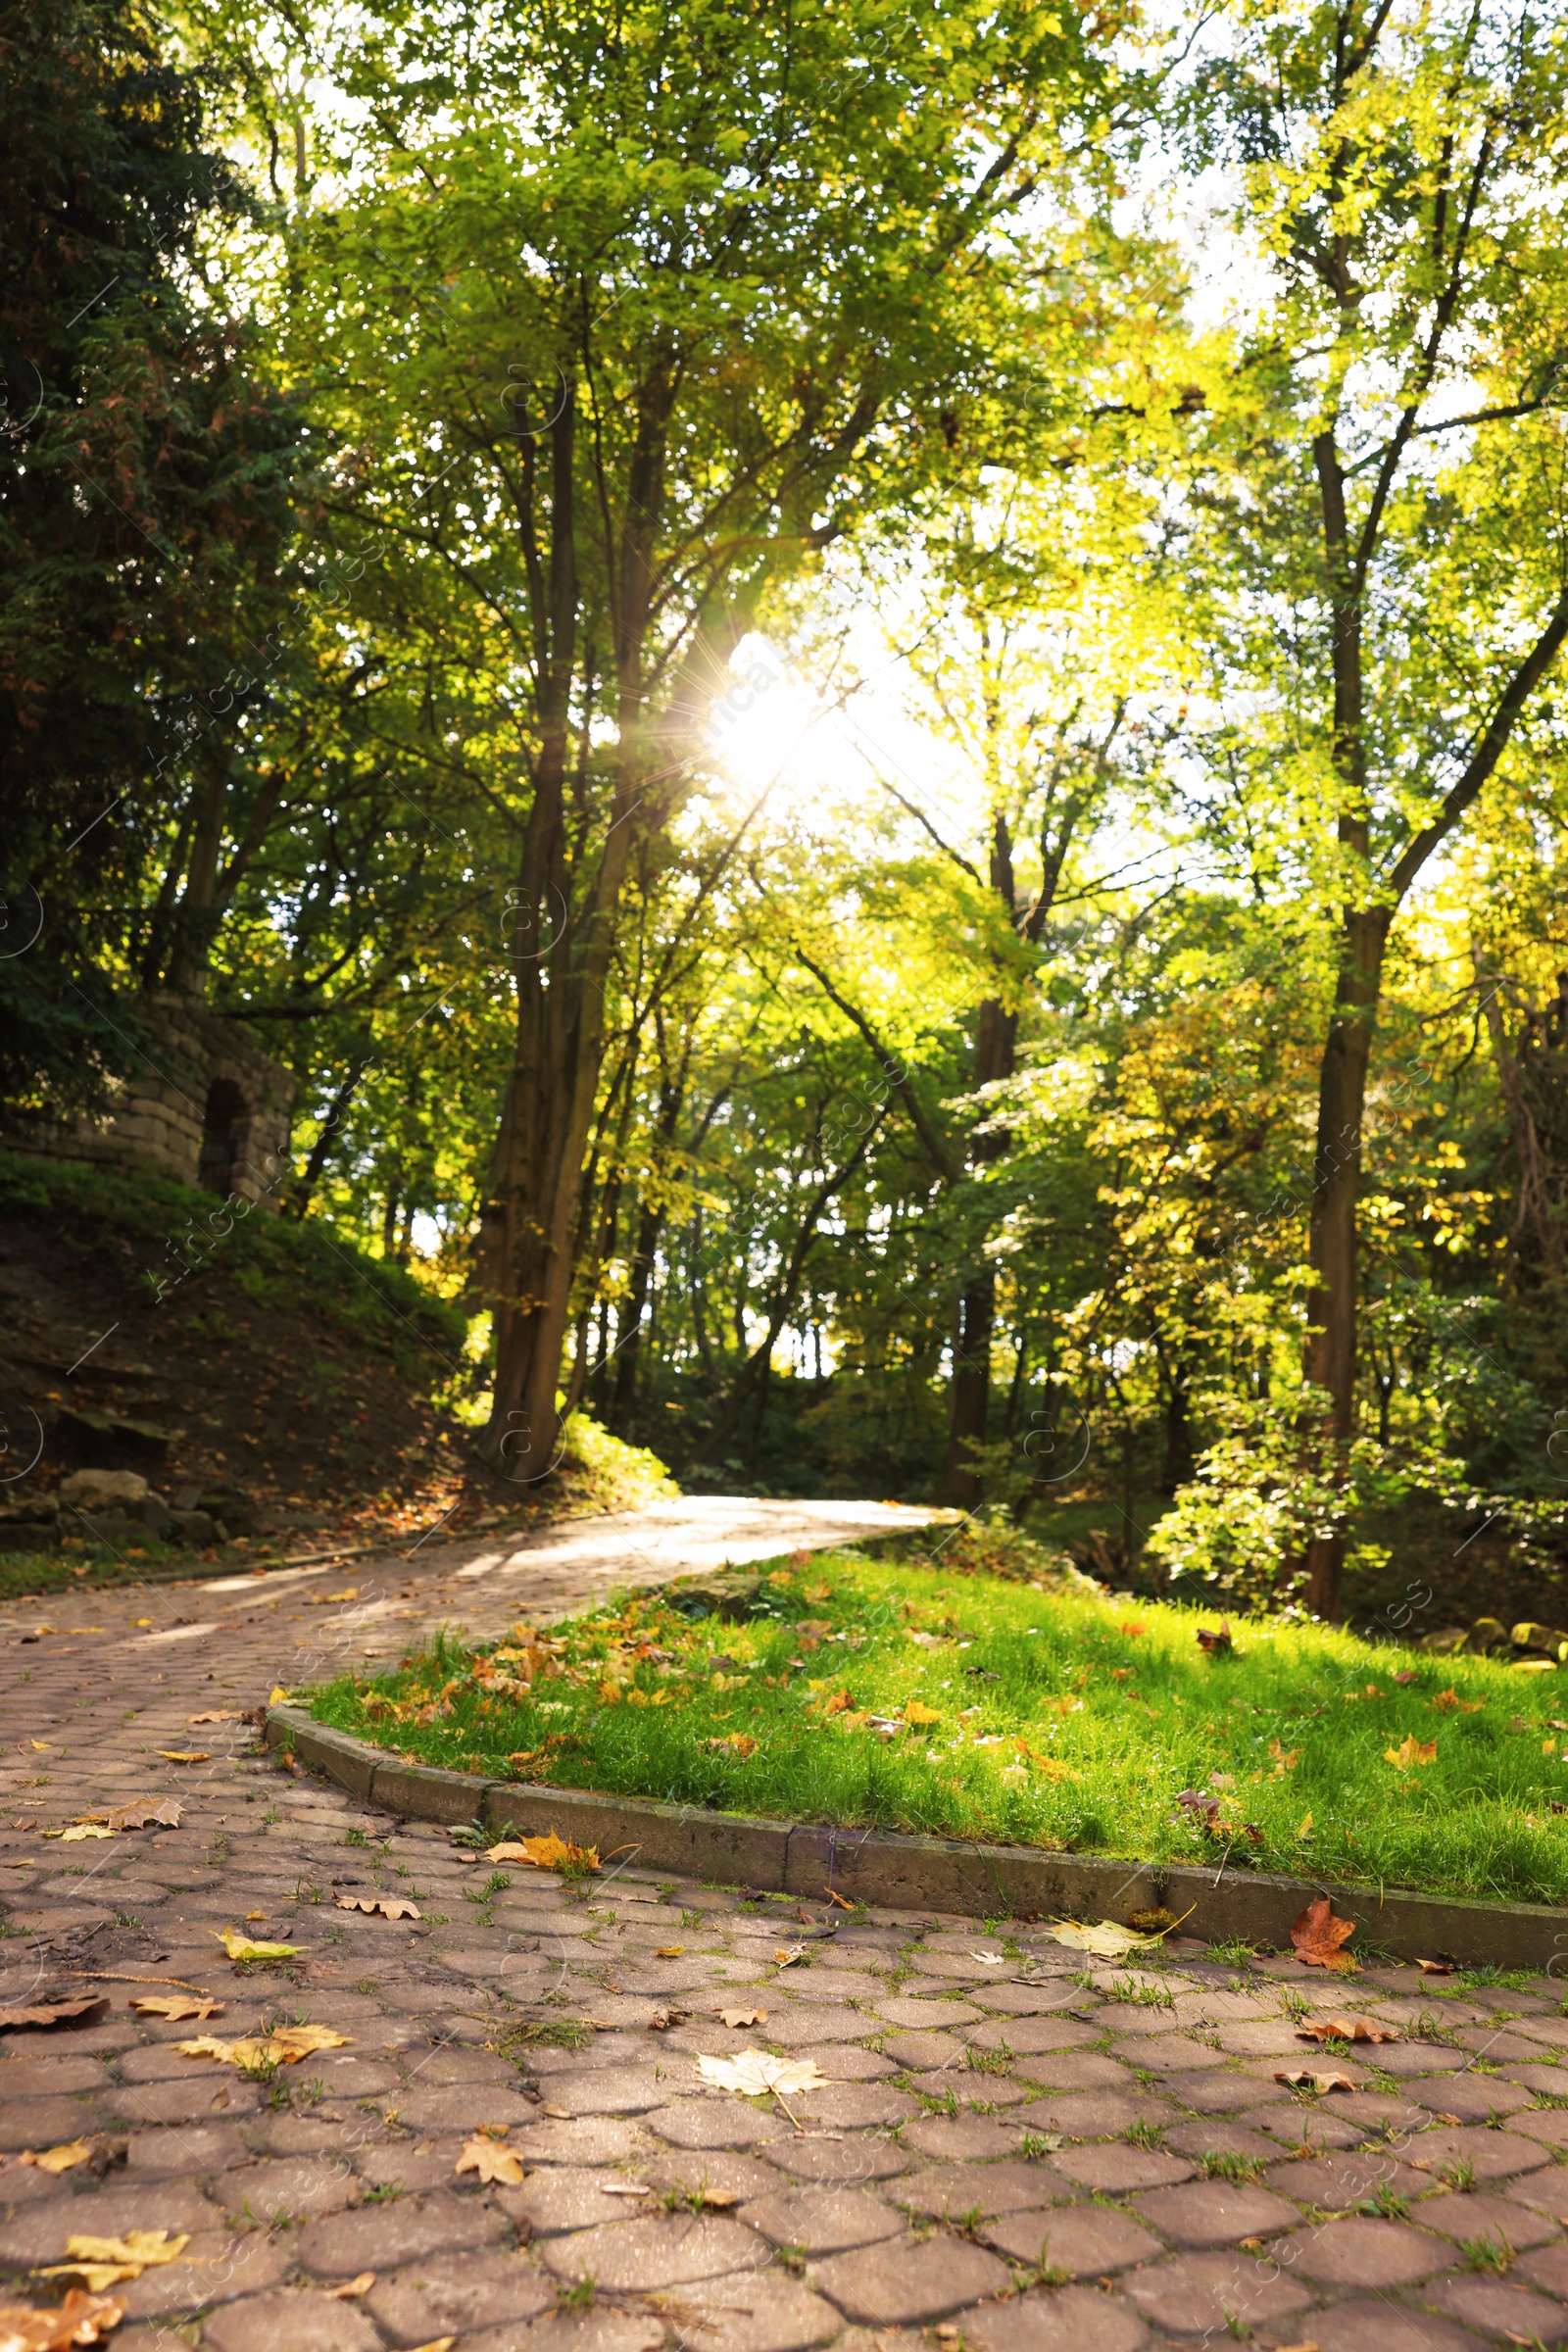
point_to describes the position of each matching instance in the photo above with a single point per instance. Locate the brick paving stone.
(1494, 2154)
(1168, 2053)
(461, 2107)
(31, 2077)
(285, 2187)
(1553, 2079)
(921, 2050)
(1498, 2307)
(899, 2283)
(409, 2229)
(619, 2089)
(1095, 2114)
(858, 2156)
(1198, 2294)
(38, 2234)
(984, 2188)
(822, 2220)
(215, 2267)
(305, 2323)
(1031, 2036)
(936, 2017)
(1365, 2252)
(1263, 2038)
(1214, 2213)
(1422, 2058)
(1072, 2319)
(1546, 2267)
(197, 2148)
(736, 2177)
(1475, 2215)
(961, 2136)
(855, 2105)
(193, 2098)
(42, 2123)
(1341, 2178)
(1473, 2098)
(1295, 2125)
(605, 2330)
(757, 2312)
(972, 2088)
(715, 2124)
(1075, 2070)
(1216, 2092)
(456, 2292)
(663, 2250)
(1116, 2170)
(443, 2067)
(1083, 2239)
(1382, 2327)
(586, 2140)
(558, 2197)
(409, 2166)
(848, 2061)
(1494, 2042)
(1215, 2136)
(793, 2029)
(1548, 2125)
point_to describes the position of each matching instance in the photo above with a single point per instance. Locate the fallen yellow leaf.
(214, 1715)
(755, 2073)
(1413, 1752)
(93, 1828)
(185, 1755)
(742, 2017)
(915, 1712)
(63, 2159)
(102, 2261)
(241, 1948)
(669, 1951)
(1304, 1826)
(390, 1906)
(545, 1853)
(279, 1697)
(285, 2045)
(610, 1693)
(491, 2160)
(352, 2289)
(251, 1917)
(175, 2006)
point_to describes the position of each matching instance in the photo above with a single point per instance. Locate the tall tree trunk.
(1330, 1362)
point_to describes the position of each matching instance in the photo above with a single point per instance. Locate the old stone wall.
(205, 1104)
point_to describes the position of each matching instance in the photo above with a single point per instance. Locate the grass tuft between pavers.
(877, 1694)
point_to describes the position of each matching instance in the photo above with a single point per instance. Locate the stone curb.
(924, 1874)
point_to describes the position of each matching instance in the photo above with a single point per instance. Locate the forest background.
(868, 696)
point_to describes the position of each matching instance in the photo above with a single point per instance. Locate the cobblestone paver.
(1012, 2149)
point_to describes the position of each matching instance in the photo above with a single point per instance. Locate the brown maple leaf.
(1346, 2029)
(1305, 2078)
(1318, 1935)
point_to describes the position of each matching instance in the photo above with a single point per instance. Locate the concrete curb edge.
(925, 1874)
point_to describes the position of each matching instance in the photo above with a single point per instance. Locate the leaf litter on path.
(390, 1906)
(1318, 1935)
(104, 2261)
(81, 2318)
(754, 2074)
(245, 1948)
(285, 2045)
(175, 2006)
(78, 2010)
(1346, 2029)
(545, 1853)
(1306, 2078)
(492, 2160)
(1107, 1941)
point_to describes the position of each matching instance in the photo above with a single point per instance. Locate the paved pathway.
(1012, 2150)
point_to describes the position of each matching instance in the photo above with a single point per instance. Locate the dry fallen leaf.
(184, 1755)
(1447, 1701)
(78, 2012)
(352, 2289)
(1413, 1752)
(669, 1951)
(1216, 1643)
(175, 2006)
(788, 1953)
(1306, 2078)
(279, 1697)
(165, 1811)
(244, 1947)
(81, 2318)
(663, 2018)
(492, 2160)
(390, 1906)
(623, 2188)
(1436, 1968)
(63, 2159)
(82, 1829)
(755, 2072)
(1346, 2029)
(1317, 1936)
(914, 1711)
(545, 1853)
(285, 2045)
(742, 2017)
(214, 1715)
(104, 2261)
(444, 2343)
(1107, 1941)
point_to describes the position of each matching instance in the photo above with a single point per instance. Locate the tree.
(1386, 499)
(651, 306)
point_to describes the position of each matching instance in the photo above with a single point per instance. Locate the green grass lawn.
(1018, 1715)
